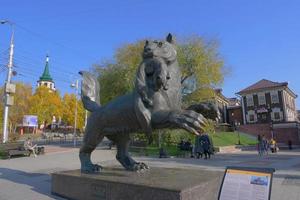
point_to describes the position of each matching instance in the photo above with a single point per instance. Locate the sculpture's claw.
(189, 129)
(97, 168)
(140, 167)
(92, 168)
(189, 120)
(195, 116)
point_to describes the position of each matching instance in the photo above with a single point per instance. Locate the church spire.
(46, 79)
(46, 75)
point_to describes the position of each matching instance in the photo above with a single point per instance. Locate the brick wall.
(282, 135)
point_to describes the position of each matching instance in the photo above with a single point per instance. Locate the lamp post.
(9, 88)
(75, 85)
(236, 125)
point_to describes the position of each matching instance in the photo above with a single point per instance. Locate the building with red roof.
(266, 102)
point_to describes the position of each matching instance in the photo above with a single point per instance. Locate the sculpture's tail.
(90, 91)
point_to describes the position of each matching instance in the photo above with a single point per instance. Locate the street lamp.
(75, 85)
(236, 125)
(9, 88)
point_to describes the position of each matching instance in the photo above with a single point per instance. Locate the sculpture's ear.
(170, 38)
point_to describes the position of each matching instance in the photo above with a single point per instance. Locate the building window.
(274, 97)
(250, 100)
(261, 99)
(45, 84)
(277, 116)
(251, 116)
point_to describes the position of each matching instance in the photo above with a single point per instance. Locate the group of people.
(264, 145)
(203, 146)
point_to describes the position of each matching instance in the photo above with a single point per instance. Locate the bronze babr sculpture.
(154, 104)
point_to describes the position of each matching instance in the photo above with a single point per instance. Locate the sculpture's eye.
(160, 44)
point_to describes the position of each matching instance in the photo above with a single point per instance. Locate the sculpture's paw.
(140, 167)
(91, 168)
(189, 120)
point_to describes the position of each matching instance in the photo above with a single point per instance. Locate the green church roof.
(46, 75)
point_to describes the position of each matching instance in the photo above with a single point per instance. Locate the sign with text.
(246, 183)
(30, 120)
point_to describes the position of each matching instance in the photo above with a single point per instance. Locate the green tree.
(69, 101)
(201, 63)
(45, 104)
(198, 59)
(117, 77)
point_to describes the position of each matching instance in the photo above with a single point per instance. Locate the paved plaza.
(29, 177)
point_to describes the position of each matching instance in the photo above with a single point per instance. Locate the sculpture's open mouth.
(161, 84)
(165, 86)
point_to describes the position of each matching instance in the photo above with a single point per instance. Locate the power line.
(33, 68)
(39, 62)
(38, 35)
(36, 64)
(36, 75)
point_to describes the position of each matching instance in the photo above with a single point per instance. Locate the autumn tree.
(198, 59)
(46, 103)
(21, 104)
(68, 117)
(20, 107)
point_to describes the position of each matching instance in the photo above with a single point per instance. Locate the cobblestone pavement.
(29, 177)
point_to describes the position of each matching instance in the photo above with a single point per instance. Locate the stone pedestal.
(155, 184)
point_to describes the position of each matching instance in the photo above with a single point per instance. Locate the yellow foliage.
(69, 104)
(45, 104)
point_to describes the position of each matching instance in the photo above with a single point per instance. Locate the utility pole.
(76, 105)
(9, 88)
(85, 119)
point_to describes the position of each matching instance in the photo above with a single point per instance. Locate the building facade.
(267, 102)
(222, 103)
(234, 110)
(46, 79)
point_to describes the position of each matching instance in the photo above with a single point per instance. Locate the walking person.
(290, 144)
(273, 146)
(265, 145)
(259, 145)
(206, 145)
(189, 147)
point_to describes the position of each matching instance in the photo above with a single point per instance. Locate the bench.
(14, 149)
(183, 150)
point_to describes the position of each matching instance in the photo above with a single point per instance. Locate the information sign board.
(246, 183)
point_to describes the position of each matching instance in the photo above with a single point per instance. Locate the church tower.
(46, 79)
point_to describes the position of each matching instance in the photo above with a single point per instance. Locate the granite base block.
(155, 184)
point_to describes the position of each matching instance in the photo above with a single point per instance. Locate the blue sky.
(258, 39)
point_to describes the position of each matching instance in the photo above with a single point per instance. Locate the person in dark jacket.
(206, 145)
(198, 147)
